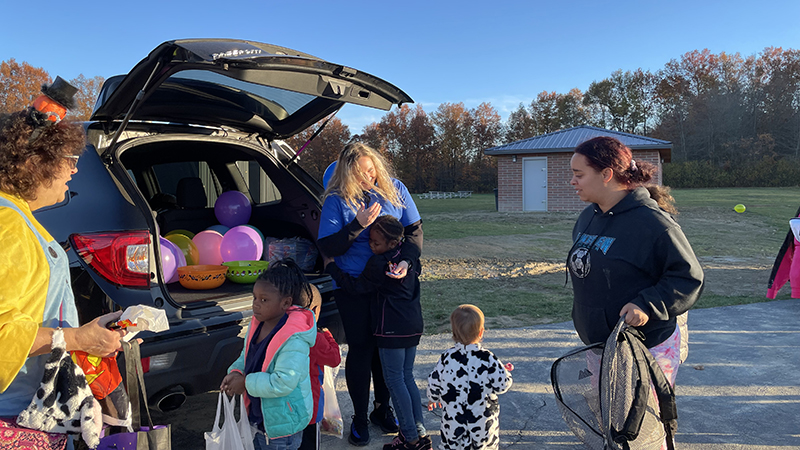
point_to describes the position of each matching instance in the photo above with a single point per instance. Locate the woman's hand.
(634, 316)
(94, 337)
(366, 216)
(399, 271)
(432, 405)
(233, 383)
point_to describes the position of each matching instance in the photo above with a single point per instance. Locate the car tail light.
(146, 364)
(120, 257)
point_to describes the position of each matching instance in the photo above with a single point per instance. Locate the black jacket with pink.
(395, 309)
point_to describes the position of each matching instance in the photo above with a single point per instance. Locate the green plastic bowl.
(245, 272)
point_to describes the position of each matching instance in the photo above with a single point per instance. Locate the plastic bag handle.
(216, 427)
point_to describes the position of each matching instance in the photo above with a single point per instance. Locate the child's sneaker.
(397, 443)
(383, 416)
(424, 443)
(359, 433)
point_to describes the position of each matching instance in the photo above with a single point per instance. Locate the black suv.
(194, 119)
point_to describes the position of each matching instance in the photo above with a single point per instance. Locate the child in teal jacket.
(272, 372)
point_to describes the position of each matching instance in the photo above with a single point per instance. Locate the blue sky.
(501, 52)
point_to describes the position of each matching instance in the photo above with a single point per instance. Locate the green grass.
(713, 300)
(707, 217)
(776, 205)
(521, 301)
(478, 202)
(476, 216)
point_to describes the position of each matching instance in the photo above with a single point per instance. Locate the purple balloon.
(232, 208)
(241, 243)
(180, 260)
(169, 263)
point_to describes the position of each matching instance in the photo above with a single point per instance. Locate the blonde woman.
(361, 189)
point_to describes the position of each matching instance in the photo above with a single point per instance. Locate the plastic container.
(245, 272)
(200, 277)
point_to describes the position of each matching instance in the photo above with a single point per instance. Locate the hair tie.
(633, 165)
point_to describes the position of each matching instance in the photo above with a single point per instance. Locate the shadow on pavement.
(739, 388)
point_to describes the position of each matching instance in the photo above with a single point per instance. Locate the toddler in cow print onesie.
(465, 383)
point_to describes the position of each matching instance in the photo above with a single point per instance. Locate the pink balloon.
(180, 260)
(232, 208)
(208, 243)
(241, 243)
(169, 264)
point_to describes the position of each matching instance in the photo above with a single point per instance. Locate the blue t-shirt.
(336, 214)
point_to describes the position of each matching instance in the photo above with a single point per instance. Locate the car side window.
(262, 188)
(169, 176)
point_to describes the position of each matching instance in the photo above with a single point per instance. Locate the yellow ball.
(739, 208)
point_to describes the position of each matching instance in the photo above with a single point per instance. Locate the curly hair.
(25, 164)
(347, 175)
(605, 152)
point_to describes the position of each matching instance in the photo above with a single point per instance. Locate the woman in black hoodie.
(629, 257)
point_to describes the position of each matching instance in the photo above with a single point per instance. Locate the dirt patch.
(472, 268)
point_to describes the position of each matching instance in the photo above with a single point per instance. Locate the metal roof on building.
(568, 139)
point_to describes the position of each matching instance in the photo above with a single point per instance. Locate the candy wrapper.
(141, 318)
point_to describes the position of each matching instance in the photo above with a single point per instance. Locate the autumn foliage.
(732, 119)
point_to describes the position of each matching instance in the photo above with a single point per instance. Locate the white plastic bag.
(233, 435)
(332, 422)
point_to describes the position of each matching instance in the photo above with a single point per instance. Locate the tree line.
(733, 120)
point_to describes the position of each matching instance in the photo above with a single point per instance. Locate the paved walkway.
(739, 388)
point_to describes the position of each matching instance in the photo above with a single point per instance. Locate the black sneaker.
(397, 443)
(383, 417)
(359, 434)
(424, 443)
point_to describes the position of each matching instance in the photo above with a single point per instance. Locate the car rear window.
(287, 102)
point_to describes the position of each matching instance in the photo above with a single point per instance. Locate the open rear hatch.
(272, 91)
(235, 86)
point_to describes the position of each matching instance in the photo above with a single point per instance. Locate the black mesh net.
(595, 388)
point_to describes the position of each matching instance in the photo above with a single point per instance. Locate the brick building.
(533, 174)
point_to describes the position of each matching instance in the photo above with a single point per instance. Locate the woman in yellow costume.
(38, 156)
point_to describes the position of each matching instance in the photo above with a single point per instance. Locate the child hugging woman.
(396, 322)
(273, 369)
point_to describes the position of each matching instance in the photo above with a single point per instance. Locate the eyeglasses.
(73, 160)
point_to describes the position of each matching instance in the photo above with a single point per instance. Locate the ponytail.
(289, 279)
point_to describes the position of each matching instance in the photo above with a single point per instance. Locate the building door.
(534, 184)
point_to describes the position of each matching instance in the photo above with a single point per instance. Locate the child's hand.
(509, 367)
(398, 271)
(233, 383)
(432, 405)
